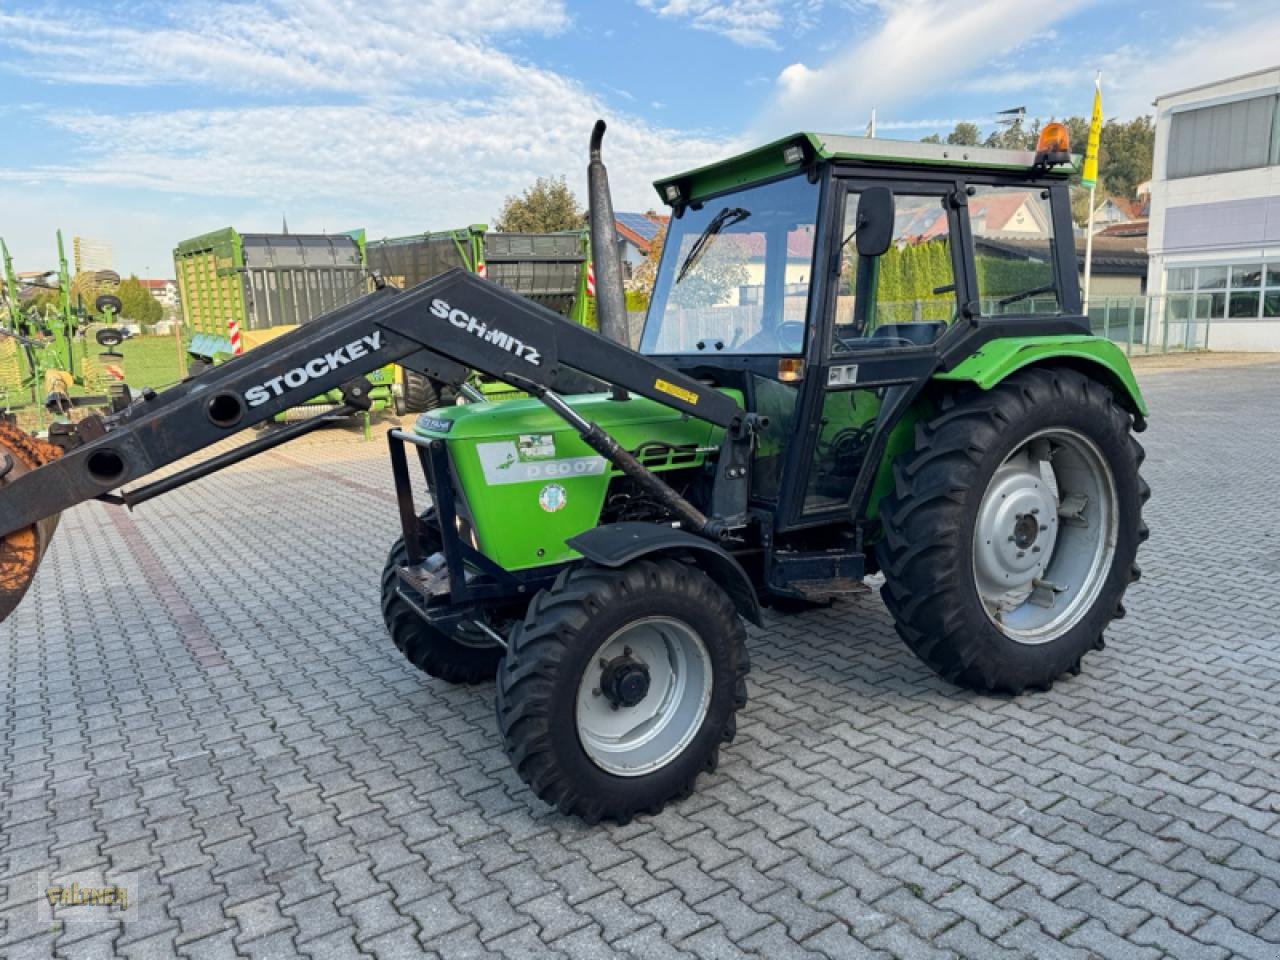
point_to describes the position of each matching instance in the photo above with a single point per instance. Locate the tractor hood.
(508, 418)
(530, 483)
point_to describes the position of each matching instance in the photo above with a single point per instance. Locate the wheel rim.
(628, 738)
(1045, 536)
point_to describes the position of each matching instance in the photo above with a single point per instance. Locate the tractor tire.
(421, 394)
(462, 656)
(620, 686)
(1010, 536)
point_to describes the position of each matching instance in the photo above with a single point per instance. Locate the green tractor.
(847, 369)
(963, 435)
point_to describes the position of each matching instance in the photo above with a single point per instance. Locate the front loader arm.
(441, 327)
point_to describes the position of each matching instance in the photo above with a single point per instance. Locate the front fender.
(1096, 357)
(617, 544)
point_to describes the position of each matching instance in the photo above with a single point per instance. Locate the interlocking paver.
(235, 730)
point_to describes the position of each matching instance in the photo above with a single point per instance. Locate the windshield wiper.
(725, 218)
(1034, 291)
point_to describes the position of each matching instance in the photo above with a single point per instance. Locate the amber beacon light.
(1053, 145)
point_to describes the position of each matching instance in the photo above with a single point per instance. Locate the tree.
(642, 277)
(965, 135)
(1013, 136)
(85, 289)
(1125, 148)
(546, 206)
(137, 303)
(1125, 155)
(1080, 205)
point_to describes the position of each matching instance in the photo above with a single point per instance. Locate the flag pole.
(1090, 176)
(1088, 252)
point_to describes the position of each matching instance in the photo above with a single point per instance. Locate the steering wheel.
(790, 336)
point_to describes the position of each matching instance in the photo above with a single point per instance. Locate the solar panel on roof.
(638, 223)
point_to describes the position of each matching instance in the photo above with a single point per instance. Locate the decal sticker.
(671, 390)
(838, 376)
(313, 369)
(552, 498)
(478, 328)
(502, 463)
(536, 446)
(434, 424)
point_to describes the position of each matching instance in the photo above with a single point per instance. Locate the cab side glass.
(1013, 252)
(905, 296)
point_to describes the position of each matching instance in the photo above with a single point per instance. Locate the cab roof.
(794, 152)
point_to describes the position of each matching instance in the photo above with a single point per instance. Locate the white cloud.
(1036, 80)
(749, 23)
(920, 47)
(271, 45)
(399, 128)
(1132, 77)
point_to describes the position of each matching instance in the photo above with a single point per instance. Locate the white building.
(1214, 239)
(91, 255)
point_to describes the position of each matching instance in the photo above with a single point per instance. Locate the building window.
(1227, 136)
(1237, 291)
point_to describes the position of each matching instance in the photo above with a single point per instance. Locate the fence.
(1144, 325)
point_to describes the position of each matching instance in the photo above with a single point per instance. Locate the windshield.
(735, 274)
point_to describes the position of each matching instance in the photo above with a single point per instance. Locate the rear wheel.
(1010, 538)
(467, 654)
(421, 393)
(620, 685)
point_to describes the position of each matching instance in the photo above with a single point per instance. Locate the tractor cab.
(829, 277)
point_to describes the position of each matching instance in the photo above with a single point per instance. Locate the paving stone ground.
(199, 702)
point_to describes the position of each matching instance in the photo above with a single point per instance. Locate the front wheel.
(620, 686)
(1011, 535)
(465, 654)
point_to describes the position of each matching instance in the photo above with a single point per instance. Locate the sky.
(147, 123)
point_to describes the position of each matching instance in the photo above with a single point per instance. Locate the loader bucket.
(22, 550)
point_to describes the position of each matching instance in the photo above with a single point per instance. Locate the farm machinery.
(38, 351)
(838, 377)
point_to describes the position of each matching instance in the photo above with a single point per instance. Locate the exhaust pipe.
(611, 302)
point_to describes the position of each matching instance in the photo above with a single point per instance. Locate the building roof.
(1131, 209)
(1216, 83)
(996, 211)
(752, 245)
(1126, 256)
(1129, 228)
(639, 228)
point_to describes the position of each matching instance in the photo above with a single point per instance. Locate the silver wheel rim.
(630, 741)
(1045, 536)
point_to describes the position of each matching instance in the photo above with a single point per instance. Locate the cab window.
(735, 274)
(906, 296)
(1013, 251)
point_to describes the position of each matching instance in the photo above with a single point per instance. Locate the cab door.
(881, 318)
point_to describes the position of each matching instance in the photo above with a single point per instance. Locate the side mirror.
(874, 222)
